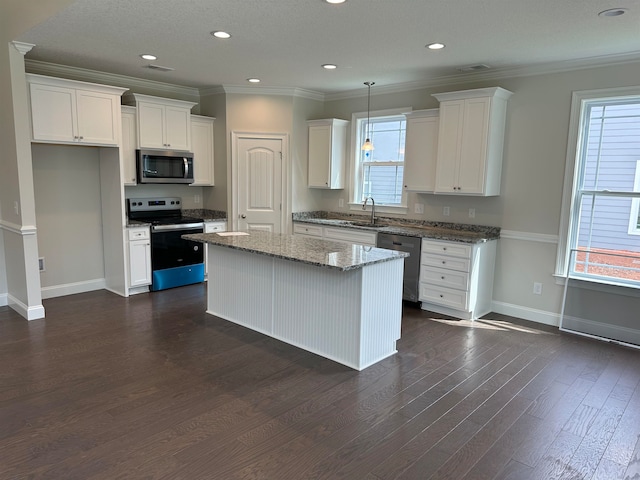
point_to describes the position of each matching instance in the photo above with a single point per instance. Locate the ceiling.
(285, 42)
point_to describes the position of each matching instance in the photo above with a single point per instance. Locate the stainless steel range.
(174, 261)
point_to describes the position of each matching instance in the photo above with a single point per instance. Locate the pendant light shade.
(367, 146)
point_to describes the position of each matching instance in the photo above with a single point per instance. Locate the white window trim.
(576, 126)
(635, 204)
(353, 158)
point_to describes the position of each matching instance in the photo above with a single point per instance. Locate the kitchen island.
(340, 301)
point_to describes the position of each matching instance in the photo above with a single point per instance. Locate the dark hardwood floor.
(151, 387)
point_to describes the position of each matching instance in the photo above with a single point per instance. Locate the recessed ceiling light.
(148, 56)
(221, 34)
(435, 46)
(335, 1)
(253, 80)
(329, 66)
(613, 12)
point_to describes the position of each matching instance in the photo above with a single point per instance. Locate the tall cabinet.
(202, 148)
(470, 141)
(327, 152)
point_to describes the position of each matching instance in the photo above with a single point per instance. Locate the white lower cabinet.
(307, 230)
(139, 259)
(212, 227)
(456, 279)
(336, 234)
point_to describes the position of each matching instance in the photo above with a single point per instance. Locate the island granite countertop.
(312, 251)
(454, 232)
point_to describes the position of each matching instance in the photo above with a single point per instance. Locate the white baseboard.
(4, 300)
(602, 331)
(30, 313)
(73, 288)
(526, 313)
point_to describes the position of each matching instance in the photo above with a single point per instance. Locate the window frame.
(634, 227)
(570, 209)
(355, 183)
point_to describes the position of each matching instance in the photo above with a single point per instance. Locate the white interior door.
(259, 192)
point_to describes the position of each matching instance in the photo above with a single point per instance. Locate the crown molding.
(494, 74)
(22, 47)
(285, 91)
(217, 90)
(45, 68)
(52, 69)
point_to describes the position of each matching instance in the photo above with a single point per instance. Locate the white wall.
(528, 209)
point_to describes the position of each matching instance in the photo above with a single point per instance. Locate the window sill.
(397, 209)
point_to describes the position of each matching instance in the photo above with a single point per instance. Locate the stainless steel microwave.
(164, 166)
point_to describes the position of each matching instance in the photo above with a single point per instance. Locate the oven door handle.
(184, 226)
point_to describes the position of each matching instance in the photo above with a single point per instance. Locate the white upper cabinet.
(202, 147)
(68, 111)
(163, 123)
(420, 151)
(327, 151)
(470, 141)
(128, 145)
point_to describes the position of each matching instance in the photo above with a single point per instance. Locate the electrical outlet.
(341, 203)
(537, 288)
(472, 213)
(16, 207)
(41, 265)
(196, 199)
(446, 211)
(418, 207)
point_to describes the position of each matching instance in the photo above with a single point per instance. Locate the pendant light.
(367, 146)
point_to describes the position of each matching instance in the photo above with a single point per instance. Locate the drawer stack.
(456, 279)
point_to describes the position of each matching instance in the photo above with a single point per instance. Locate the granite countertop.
(206, 215)
(312, 251)
(455, 232)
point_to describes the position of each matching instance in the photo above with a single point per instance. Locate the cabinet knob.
(441, 296)
(441, 278)
(443, 262)
(243, 216)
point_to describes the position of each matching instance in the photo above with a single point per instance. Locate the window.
(379, 173)
(603, 241)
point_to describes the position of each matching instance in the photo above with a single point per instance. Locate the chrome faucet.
(373, 208)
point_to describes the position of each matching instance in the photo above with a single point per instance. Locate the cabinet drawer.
(215, 227)
(442, 261)
(350, 236)
(444, 278)
(311, 230)
(449, 297)
(138, 233)
(446, 248)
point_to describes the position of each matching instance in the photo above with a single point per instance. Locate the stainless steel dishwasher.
(411, 245)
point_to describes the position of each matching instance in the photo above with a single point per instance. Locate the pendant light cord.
(367, 144)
